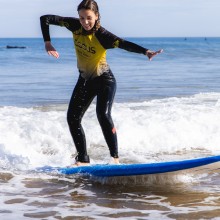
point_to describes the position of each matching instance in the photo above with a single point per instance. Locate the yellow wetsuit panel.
(91, 55)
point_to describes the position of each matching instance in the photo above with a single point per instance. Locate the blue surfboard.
(105, 170)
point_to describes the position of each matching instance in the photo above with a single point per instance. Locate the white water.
(155, 130)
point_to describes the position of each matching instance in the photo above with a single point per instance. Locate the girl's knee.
(72, 120)
(103, 116)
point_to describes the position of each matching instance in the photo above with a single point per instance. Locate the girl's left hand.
(151, 54)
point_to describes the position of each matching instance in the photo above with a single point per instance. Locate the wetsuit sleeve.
(109, 40)
(71, 24)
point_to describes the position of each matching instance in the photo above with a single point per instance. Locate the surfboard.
(109, 170)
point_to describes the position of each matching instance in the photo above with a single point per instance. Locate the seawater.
(167, 109)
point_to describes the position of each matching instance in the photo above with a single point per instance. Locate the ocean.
(166, 109)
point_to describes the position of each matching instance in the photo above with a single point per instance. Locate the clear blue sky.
(125, 18)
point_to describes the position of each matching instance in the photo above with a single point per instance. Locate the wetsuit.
(95, 79)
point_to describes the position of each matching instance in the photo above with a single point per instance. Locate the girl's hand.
(151, 54)
(51, 50)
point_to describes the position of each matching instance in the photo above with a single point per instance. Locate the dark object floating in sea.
(15, 47)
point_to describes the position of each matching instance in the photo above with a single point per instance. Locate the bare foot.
(79, 164)
(114, 161)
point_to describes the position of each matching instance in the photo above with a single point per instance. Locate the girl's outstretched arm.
(71, 24)
(109, 40)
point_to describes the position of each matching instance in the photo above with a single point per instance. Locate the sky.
(124, 18)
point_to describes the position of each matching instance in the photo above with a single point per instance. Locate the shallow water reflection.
(169, 196)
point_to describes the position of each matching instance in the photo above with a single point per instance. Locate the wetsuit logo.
(85, 47)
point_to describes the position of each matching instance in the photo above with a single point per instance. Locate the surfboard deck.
(105, 170)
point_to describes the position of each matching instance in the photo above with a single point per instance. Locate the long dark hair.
(91, 5)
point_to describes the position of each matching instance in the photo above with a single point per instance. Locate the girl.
(91, 41)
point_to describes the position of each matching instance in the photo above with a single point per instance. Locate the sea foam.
(154, 130)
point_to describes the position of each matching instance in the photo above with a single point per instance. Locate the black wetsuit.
(95, 79)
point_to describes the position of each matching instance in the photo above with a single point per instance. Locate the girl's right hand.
(51, 50)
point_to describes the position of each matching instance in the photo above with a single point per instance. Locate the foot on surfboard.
(79, 164)
(114, 161)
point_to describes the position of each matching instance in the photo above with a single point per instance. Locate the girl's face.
(87, 18)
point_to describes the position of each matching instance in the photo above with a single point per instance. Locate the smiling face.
(87, 18)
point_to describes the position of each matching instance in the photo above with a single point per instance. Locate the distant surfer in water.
(96, 79)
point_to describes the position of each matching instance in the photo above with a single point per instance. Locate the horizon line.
(122, 37)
